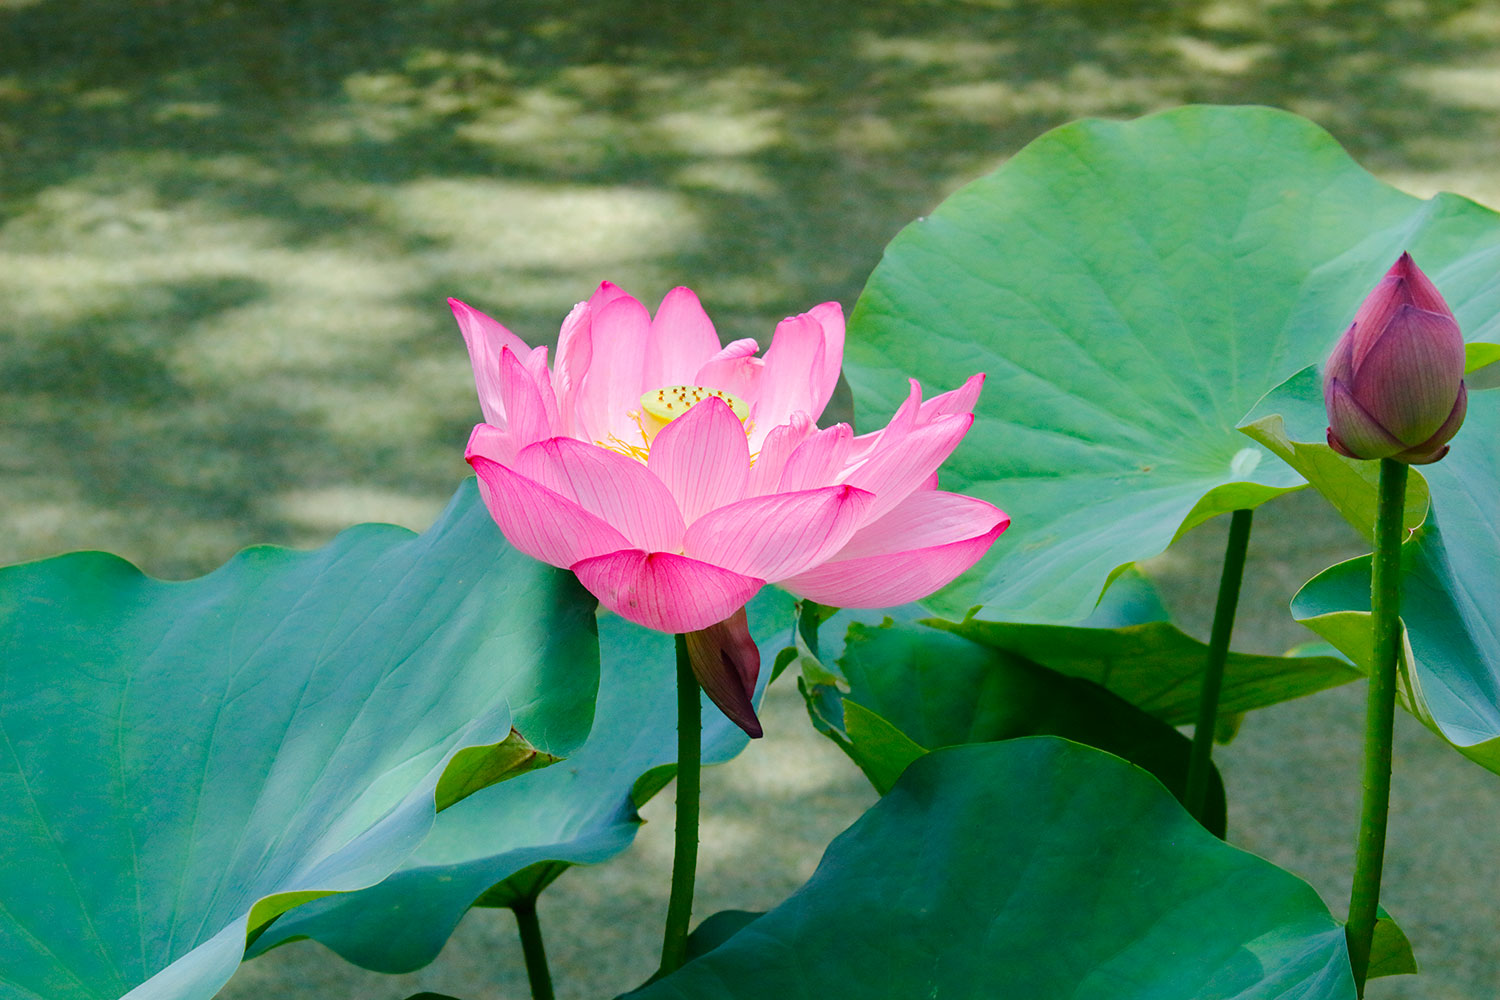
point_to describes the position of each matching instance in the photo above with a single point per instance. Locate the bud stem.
(685, 854)
(1200, 762)
(1380, 717)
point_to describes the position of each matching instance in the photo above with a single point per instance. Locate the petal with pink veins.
(612, 388)
(918, 547)
(818, 460)
(775, 449)
(493, 443)
(897, 468)
(735, 370)
(681, 340)
(665, 591)
(525, 415)
(830, 316)
(703, 458)
(775, 536)
(1358, 435)
(1406, 381)
(608, 485)
(795, 356)
(955, 401)
(538, 521)
(485, 339)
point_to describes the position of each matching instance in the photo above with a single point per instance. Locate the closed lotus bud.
(1394, 384)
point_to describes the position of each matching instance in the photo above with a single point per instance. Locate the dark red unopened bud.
(1394, 385)
(726, 662)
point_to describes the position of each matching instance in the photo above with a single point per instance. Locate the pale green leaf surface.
(1096, 886)
(1131, 289)
(174, 754)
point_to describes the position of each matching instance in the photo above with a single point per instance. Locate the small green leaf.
(1032, 868)
(474, 768)
(1156, 666)
(1390, 951)
(1291, 421)
(880, 749)
(1477, 356)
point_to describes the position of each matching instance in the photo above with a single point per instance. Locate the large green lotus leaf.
(1450, 594)
(580, 812)
(911, 689)
(1033, 868)
(178, 755)
(1131, 289)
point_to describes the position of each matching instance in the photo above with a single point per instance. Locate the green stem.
(1200, 762)
(685, 857)
(533, 949)
(1380, 717)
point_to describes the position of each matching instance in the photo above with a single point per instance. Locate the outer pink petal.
(795, 357)
(536, 367)
(901, 424)
(726, 662)
(493, 443)
(665, 591)
(897, 468)
(830, 316)
(775, 536)
(608, 485)
(703, 458)
(917, 548)
(575, 355)
(612, 388)
(775, 449)
(818, 460)
(540, 523)
(1352, 431)
(960, 400)
(525, 415)
(1409, 378)
(682, 339)
(485, 339)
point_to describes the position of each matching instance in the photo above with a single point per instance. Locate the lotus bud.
(1394, 384)
(726, 662)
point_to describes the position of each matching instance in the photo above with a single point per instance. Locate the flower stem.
(1380, 717)
(533, 948)
(1200, 760)
(685, 856)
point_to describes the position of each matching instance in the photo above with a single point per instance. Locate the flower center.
(660, 407)
(666, 405)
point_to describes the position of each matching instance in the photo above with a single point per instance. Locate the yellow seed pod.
(666, 405)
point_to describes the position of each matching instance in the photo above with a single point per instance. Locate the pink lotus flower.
(677, 477)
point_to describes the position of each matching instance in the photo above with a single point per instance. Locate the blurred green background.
(227, 230)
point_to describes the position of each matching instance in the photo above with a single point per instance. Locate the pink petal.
(775, 449)
(540, 523)
(536, 366)
(1352, 431)
(830, 316)
(726, 663)
(485, 339)
(818, 460)
(493, 443)
(612, 388)
(1436, 446)
(775, 536)
(703, 458)
(796, 355)
(665, 591)
(681, 340)
(735, 369)
(1409, 377)
(525, 415)
(901, 424)
(897, 468)
(920, 546)
(608, 485)
(960, 400)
